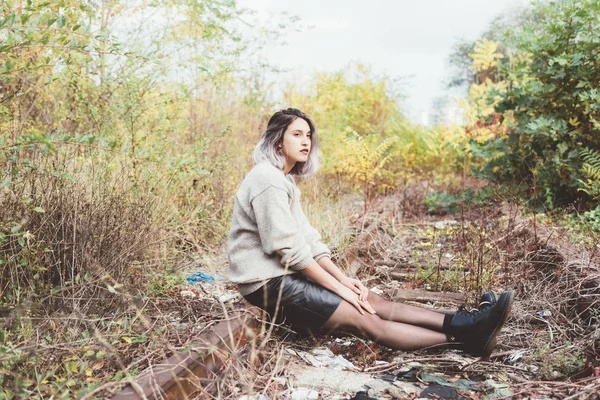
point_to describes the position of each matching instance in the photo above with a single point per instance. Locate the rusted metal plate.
(192, 372)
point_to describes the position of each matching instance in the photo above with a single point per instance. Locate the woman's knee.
(368, 324)
(376, 300)
(348, 317)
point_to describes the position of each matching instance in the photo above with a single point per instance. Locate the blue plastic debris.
(200, 277)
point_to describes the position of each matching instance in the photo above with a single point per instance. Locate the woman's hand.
(351, 297)
(350, 291)
(356, 286)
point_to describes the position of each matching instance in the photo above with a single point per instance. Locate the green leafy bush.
(551, 106)
(443, 202)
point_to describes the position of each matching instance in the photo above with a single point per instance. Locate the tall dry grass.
(77, 234)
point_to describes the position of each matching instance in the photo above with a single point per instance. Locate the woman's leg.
(392, 334)
(405, 313)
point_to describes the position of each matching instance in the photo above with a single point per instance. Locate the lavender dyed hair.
(267, 148)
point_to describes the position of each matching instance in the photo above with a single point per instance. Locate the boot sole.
(492, 340)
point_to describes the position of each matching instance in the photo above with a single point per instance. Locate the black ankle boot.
(487, 299)
(477, 330)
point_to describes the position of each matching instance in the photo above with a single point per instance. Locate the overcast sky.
(400, 38)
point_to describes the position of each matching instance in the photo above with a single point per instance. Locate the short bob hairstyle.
(268, 149)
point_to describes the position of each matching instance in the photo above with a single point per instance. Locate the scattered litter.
(304, 394)
(280, 380)
(408, 376)
(463, 384)
(188, 293)
(445, 223)
(545, 313)
(362, 396)
(324, 358)
(533, 368)
(201, 277)
(343, 342)
(514, 358)
(498, 391)
(229, 296)
(436, 391)
(254, 397)
(376, 290)
(291, 351)
(407, 388)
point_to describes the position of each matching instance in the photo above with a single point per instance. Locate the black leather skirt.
(296, 300)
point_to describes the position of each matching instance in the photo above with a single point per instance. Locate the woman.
(280, 264)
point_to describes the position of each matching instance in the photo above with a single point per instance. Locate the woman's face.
(296, 143)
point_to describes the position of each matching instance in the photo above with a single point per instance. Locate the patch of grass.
(444, 203)
(558, 363)
(165, 284)
(457, 258)
(584, 228)
(332, 218)
(71, 355)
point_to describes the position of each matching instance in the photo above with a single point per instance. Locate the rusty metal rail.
(187, 372)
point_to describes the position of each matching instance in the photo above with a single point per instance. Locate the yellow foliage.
(480, 96)
(486, 55)
(365, 163)
(365, 138)
(352, 98)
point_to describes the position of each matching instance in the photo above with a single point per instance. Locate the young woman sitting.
(280, 264)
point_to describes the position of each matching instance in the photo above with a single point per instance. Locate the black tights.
(396, 325)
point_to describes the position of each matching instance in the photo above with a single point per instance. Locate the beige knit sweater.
(270, 235)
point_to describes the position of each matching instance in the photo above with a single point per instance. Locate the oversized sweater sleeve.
(279, 232)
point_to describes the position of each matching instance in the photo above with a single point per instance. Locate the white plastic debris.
(324, 358)
(515, 357)
(343, 342)
(280, 380)
(254, 397)
(229, 296)
(304, 394)
(376, 290)
(545, 313)
(291, 351)
(445, 223)
(187, 293)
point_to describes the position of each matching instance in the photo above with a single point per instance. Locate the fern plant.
(364, 167)
(590, 170)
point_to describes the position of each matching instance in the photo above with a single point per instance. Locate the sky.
(401, 38)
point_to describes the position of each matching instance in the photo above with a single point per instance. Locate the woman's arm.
(354, 284)
(315, 272)
(330, 267)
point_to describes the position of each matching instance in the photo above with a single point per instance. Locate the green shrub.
(551, 106)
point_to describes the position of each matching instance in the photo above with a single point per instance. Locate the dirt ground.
(549, 348)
